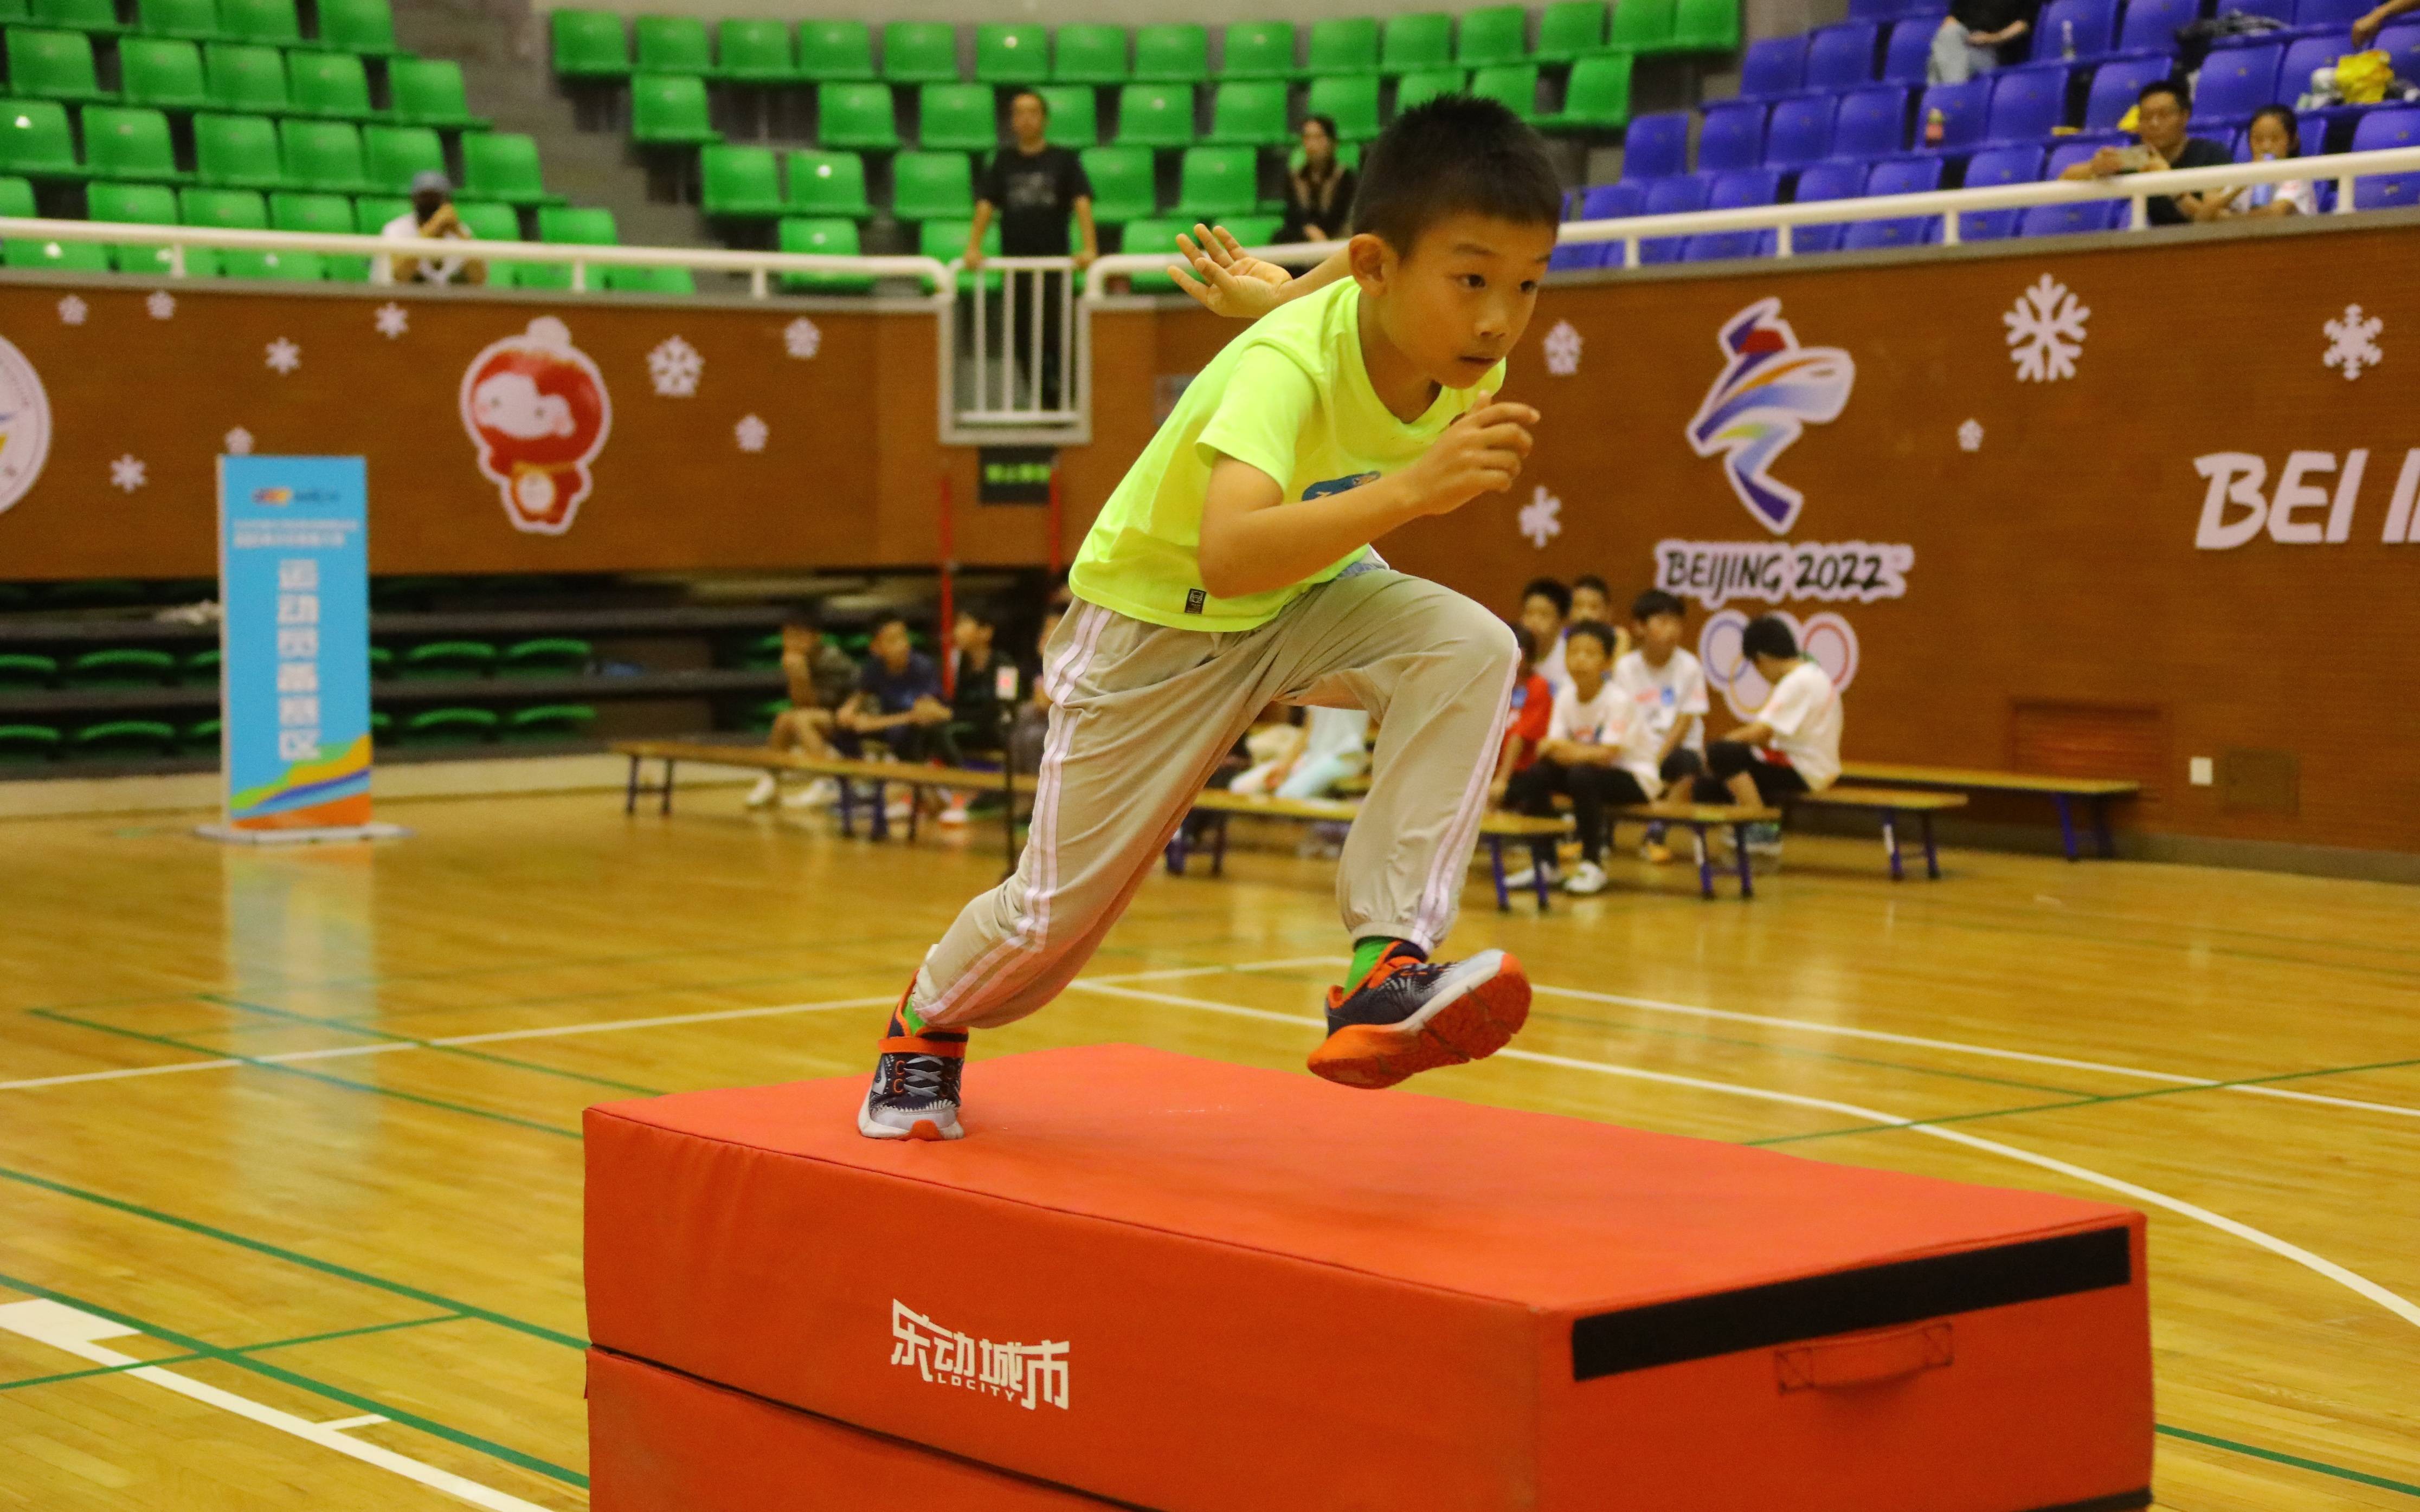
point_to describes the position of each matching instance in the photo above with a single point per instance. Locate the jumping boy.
(1794, 743)
(1666, 689)
(1232, 569)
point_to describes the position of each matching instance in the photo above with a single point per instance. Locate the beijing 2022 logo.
(1770, 390)
(537, 409)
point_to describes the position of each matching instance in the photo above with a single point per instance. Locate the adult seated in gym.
(1319, 191)
(2163, 122)
(432, 216)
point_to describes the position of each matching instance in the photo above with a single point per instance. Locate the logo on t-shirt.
(1194, 599)
(1321, 490)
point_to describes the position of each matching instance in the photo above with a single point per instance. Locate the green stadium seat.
(24, 670)
(28, 742)
(1343, 45)
(447, 659)
(1251, 113)
(568, 225)
(551, 721)
(34, 139)
(427, 91)
(673, 44)
(855, 116)
(449, 727)
(1347, 153)
(200, 669)
(547, 655)
(1090, 54)
(1151, 237)
(1012, 52)
(1597, 97)
(589, 44)
(238, 152)
(828, 185)
(1218, 183)
(17, 201)
(1642, 26)
(1491, 38)
(393, 156)
(331, 85)
(123, 740)
(920, 52)
(820, 237)
(741, 182)
(371, 213)
(487, 221)
(1075, 118)
(322, 214)
(1258, 50)
(1427, 85)
(669, 111)
(199, 736)
(836, 51)
(1351, 101)
(1123, 184)
(502, 165)
(163, 73)
(324, 156)
(1515, 86)
(271, 21)
(962, 118)
(245, 78)
(121, 667)
(77, 15)
(357, 26)
(1156, 116)
(243, 209)
(1172, 53)
(196, 21)
(756, 53)
(129, 144)
(677, 282)
(946, 241)
(1570, 30)
(142, 205)
(926, 186)
(57, 256)
(52, 64)
(1416, 40)
(1706, 26)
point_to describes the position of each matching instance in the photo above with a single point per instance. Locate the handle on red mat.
(1865, 1359)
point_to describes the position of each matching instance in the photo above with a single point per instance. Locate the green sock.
(910, 1019)
(1366, 954)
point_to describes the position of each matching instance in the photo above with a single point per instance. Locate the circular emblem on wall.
(537, 411)
(24, 424)
(1826, 637)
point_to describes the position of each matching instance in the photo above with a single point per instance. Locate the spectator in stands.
(983, 699)
(897, 701)
(1545, 612)
(1533, 707)
(1582, 757)
(1033, 188)
(821, 677)
(1791, 746)
(1666, 689)
(2163, 115)
(432, 215)
(1319, 194)
(2273, 135)
(1591, 599)
(2369, 24)
(1977, 37)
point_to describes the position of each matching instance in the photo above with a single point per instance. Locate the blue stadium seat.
(2335, 15)
(2067, 155)
(2395, 127)
(1908, 53)
(1773, 67)
(1872, 123)
(1732, 136)
(1841, 57)
(1876, 11)
(2091, 25)
(1655, 146)
(1675, 195)
(1734, 191)
(2306, 55)
(1800, 131)
(1904, 176)
(2025, 104)
(2235, 82)
(1603, 202)
(2400, 42)
(1988, 170)
(2280, 11)
(2150, 25)
(1826, 180)
(1965, 109)
(2115, 84)
(2071, 220)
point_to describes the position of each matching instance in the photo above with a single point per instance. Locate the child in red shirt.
(1533, 705)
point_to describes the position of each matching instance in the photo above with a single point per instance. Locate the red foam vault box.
(1194, 1287)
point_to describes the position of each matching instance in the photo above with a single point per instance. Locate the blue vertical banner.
(294, 644)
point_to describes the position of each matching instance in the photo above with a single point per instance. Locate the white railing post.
(2344, 196)
(1781, 240)
(578, 277)
(1950, 229)
(1066, 405)
(2139, 219)
(1630, 252)
(758, 285)
(176, 259)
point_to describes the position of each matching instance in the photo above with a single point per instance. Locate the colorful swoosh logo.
(1771, 389)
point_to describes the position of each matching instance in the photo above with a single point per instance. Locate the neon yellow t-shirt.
(1289, 396)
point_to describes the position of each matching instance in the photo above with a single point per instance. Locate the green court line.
(284, 1069)
(464, 1051)
(2360, 1477)
(317, 1388)
(232, 1349)
(278, 1252)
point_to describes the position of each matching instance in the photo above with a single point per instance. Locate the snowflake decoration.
(675, 367)
(2352, 341)
(751, 433)
(803, 338)
(129, 473)
(2045, 331)
(1541, 517)
(1563, 345)
(1970, 436)
(162, 304)
(72, 311)
(285, 356)
(392, 320)
(238, 443)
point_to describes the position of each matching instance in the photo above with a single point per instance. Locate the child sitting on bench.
(820, 677)
(1666, 688)
(1791, 746)
(1586, 756)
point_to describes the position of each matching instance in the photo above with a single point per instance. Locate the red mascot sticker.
(538, 408)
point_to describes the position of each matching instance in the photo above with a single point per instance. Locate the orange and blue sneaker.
(1409, 1014)
(915, 1091)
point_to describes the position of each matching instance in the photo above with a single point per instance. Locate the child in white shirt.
(1546, 613)
(1791, 746)
(1666, 688)
(1587, 754)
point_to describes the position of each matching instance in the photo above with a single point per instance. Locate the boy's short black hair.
(1590, 580)
(1602, 634)
(2170, 85)
(1551, 589)
(1656, 601)
(980, 610)
(806, 614)
(1454, 154)
(1769, 636)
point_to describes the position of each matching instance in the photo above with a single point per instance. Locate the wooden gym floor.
(290, 1141)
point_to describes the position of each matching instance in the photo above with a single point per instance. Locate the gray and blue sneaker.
(1410, 1014)
(915, 1091)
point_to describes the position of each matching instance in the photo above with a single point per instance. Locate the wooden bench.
(2062, 790)
(1891, 803)
(1701, 817)
(1496, 829)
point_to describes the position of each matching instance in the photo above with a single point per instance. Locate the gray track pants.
(1140, 717)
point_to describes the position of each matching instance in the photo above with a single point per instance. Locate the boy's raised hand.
(1232, 282)
(1480, 452)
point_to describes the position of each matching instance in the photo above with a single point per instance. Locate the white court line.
(75, 1330)
(2402, 1308)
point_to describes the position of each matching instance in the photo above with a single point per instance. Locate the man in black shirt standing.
(1033, 188)
(2163, 115)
